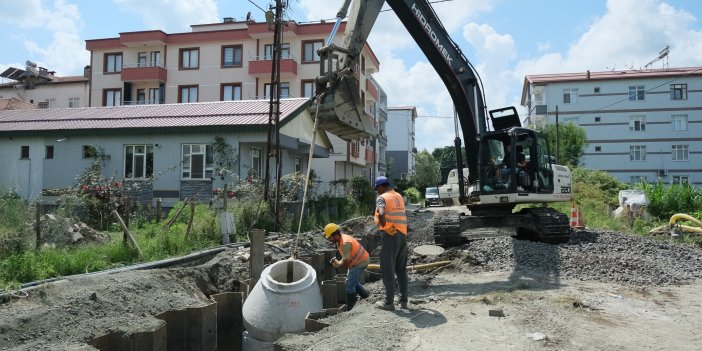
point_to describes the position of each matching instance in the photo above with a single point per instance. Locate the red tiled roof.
(221, 113)
(540, 79)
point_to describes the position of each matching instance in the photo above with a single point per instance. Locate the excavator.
(508, 164)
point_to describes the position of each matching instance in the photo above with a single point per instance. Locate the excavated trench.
(218, 324)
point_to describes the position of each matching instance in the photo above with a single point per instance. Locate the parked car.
(431, 196)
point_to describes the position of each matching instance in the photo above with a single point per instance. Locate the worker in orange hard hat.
(354, 257)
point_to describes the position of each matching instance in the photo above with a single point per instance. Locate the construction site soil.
(600, 291)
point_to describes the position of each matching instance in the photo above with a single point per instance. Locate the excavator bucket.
(341, 112)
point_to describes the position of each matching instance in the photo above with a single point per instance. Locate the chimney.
(228, 20)
(86, 71)
(587, 74)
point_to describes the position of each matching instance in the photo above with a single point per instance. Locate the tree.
(426, 171)
(571, 139)
(446, 158)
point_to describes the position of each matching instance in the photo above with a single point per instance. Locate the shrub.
(413, 195)
(666, 201)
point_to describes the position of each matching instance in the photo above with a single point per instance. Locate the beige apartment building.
(231, 60)
(223, 61)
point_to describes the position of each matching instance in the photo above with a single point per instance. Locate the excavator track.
(540, 224)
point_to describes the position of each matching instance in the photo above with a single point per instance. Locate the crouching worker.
(353, 257)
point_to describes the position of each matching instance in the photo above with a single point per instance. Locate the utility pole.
(273, 142)
(558, 143)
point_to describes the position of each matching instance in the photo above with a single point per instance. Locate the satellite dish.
(248, 16)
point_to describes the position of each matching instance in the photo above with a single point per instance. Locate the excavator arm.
(340, 107)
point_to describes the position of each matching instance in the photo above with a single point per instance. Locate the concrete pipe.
(286, 292)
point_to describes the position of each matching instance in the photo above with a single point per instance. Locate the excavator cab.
(515, 160)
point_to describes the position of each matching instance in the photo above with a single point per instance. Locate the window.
(598, 148)
(355, 148)
(309, 50)
(189, 58)
(154, 95)
(598, 119)
(113, 63)
(637, 93)
(49, 152)
(112, 97)
(363, 64)
(231, 92)
(155, 58)
(43, 104)
(255, 162)
(141, 59)
(680, 152)
(141, 96)
(679, 122)
(308, 88)
(197, 161)
(232, 56)
(637, 153)
(284, 90)
(596, 90)
(88, 151)
(187, 93)
(637, 123)
(49, 103)
(638, 179)
(681, 179)
(138, 161)
(678, 91)
(74, 102)
(570, 96)
(24, 152)
(298, 164)
(284, 51)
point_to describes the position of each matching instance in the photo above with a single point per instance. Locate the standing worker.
(391, 219)
(354, 257)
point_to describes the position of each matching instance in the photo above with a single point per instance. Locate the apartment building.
(43, 88)
(641, 125)
(401, 151)
(225, 61)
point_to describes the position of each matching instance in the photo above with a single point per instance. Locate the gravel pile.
(600, 256)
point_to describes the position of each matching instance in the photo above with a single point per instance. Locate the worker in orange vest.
(353, 257)
(392, 226)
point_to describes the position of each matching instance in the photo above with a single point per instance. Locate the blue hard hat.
(380, 181)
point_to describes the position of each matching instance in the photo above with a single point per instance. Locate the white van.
(431, 196)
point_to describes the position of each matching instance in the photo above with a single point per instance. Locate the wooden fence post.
(127, 235)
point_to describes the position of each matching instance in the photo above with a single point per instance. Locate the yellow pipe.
(673, 221)
(374, 267)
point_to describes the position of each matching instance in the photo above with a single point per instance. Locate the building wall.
(607, 116)
(28, 177)
(400, 152)
(60, 93)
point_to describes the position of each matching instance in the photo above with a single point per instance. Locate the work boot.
(385, 306)
(350, 301)
(403, 305)
(362, 292)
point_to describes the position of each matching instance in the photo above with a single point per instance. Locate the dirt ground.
(451, 311)
(450, 307)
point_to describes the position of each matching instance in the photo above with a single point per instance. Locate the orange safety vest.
(358, 253)
(395, 216)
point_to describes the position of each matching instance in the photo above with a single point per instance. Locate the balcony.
(287, 65)
(142, 73)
